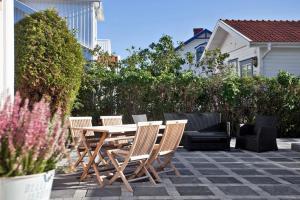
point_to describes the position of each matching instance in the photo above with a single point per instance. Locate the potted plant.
(31, 143)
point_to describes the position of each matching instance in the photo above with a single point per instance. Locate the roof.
(267, 30)
(195, 37)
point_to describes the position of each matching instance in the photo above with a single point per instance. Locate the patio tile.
(293, 180)
(194, 191)
(246, 172)
(204, 165)
(215, 155)
(265, 165)
(252, 160)
(179, 165)
(235, 165)
(223, 180)
(63, 193)
(185, 180)
(280, 159)
(229, 160)
(291, 165)
(280, 172)
(181, 171)
(237, 190)
(280, 190)
(104, 192)
(212, 172)
(150, 191)
(197, 159)
(261, 180)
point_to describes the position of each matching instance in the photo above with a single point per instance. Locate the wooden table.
(104, 133)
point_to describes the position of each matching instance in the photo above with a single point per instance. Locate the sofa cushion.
(205, 135)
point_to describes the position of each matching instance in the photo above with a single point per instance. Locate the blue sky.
(140, 22)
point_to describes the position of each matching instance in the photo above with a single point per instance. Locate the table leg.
(92, 157)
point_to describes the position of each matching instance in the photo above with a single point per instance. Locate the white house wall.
(239, 49)
(190, 47)
(79, 15)
(6, 49)
(287, 59)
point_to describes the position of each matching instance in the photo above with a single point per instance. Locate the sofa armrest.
(267, 133)
(245, 129)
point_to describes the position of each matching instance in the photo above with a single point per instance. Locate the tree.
(49, 60)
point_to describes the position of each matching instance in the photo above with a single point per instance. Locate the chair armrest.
(245, 129)
(267, 133)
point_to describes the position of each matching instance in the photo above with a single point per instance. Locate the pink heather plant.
(31, 141)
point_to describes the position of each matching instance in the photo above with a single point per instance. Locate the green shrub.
(138, 88)
(48, 59)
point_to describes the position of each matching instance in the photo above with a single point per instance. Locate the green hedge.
(48, 59)
(151, 81)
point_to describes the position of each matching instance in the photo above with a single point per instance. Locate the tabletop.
(113, 129)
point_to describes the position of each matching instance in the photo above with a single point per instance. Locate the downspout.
(269, 48)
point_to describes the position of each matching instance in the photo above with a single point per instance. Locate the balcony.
(104, 44)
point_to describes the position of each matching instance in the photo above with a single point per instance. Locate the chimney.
(197, 30)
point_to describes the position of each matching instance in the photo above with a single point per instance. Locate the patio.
(205, 175)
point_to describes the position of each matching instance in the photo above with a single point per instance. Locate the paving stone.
(197, 160)
(264, 165)
(150, 191)
(63, 193)
(184, 180)
(223, 180)
(250, 199)
(280, 159)
(294, 165)
(203, 165)
(194, 191)
(212, 172)
(241, 155)
(293, 180)
(235, 165)
(261, 180)
(252, 160)
(104, 192)
(181, 171)
(238, 190)
(229, 160)
(280, 172)
(179, 165)
(216, 155)
(246, 172)
(276, 190)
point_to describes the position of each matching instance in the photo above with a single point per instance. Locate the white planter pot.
(31, 187)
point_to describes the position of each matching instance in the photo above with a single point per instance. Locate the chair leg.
(80, 159)
(127, 185)
(175, 169)
(149, 175)
(154, 172)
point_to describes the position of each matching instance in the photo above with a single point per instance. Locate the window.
(234, 64)
(199, 52)
(246, 67)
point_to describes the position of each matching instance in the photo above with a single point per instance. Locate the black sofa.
(204, 131)
(258, 137)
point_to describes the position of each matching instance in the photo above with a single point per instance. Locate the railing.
(105, 45)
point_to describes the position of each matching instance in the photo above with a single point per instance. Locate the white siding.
(238, 49)
(79, 15)
(6, 49)
(287, 59)
(190, 47)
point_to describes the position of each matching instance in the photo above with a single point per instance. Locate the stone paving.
(214, 175)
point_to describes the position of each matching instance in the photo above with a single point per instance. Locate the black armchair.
(259, 137)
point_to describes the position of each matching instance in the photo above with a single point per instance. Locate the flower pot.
(31, 187)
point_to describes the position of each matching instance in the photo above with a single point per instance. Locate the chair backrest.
(139, 118)
(144, 140)
(79, 122)
(264, 121)
(111, 120)
(172, 136)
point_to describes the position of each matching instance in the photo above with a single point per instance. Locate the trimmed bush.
(48, 59)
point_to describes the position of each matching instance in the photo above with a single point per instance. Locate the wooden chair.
(111, 120)
(139, 118)
(167, 147)
(76, 138)
(139, 152)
